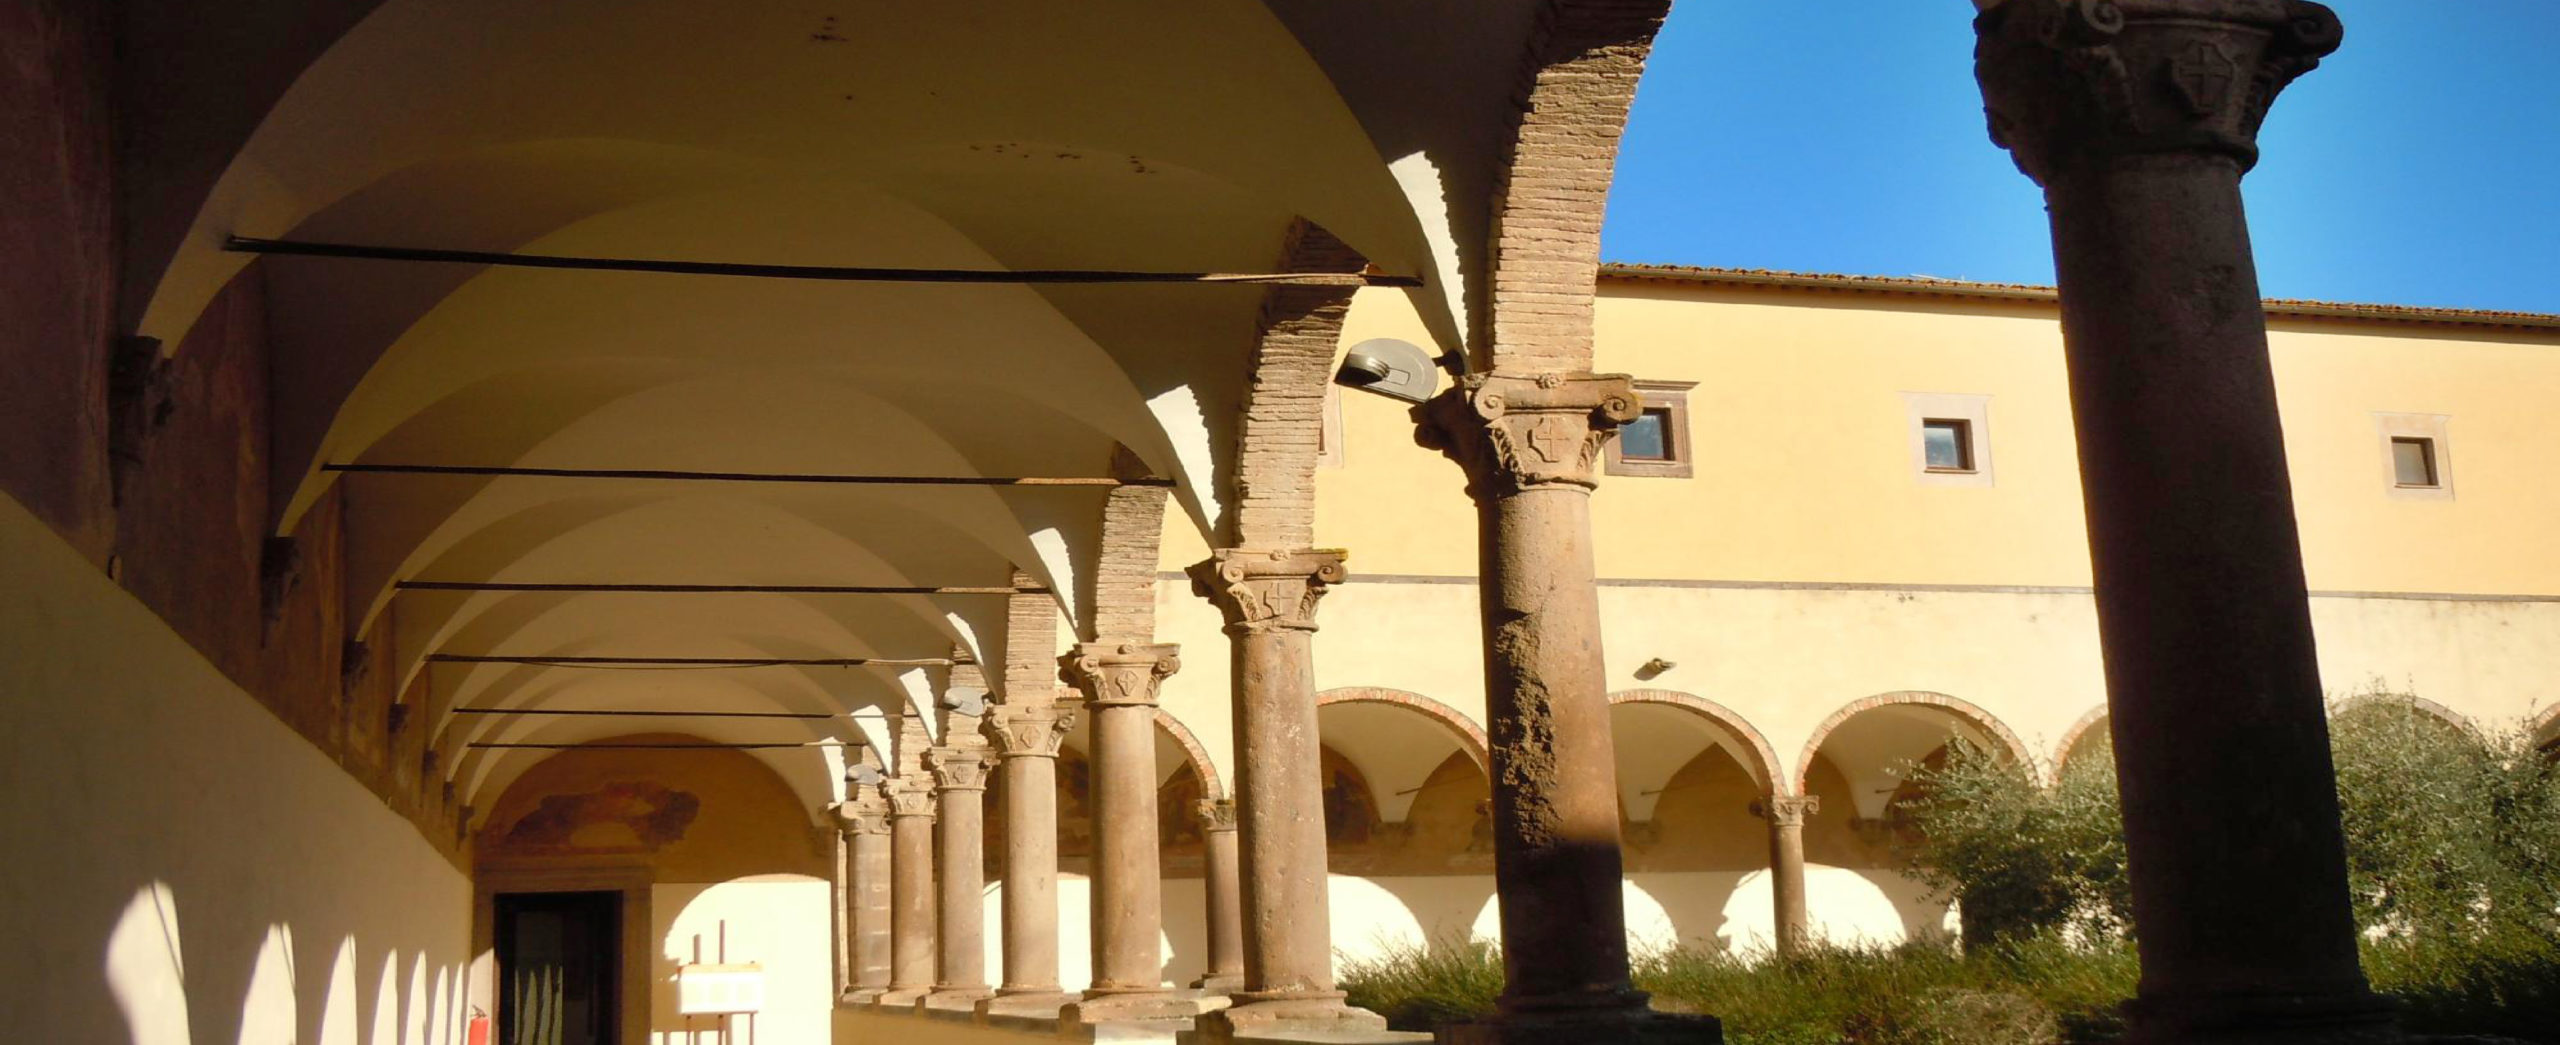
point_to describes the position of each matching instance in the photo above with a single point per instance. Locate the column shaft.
(1269, 598)
(1222, 895)
(871, 917)
(911, 900)
(961, 956)
(1530, 444)
(1555, 795)
(1119, 680)
(1028, 736)
(2139, 118)
(1786, 815)
(1128, 890)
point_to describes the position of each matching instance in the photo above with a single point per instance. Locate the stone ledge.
(927, 1024)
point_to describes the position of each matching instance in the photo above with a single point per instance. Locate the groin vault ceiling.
(1125, 136)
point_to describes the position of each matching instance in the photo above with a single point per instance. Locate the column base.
(1308, 1017)
(1602, 1027)
(1026, 1003)
(2264, 1019)
(1138, 1006)
(860, 995)
(955, 999)
(900, 997)
(1220, 983)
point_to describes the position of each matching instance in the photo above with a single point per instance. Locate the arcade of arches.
(548, 516)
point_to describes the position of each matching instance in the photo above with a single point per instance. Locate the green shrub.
(2021, 859)
(2453, 846)
(1420, 987)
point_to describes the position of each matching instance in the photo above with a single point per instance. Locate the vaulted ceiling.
(1169, 136)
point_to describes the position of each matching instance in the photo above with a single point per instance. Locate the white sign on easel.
(719, 990)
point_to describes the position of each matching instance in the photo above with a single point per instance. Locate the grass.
(2039, 991)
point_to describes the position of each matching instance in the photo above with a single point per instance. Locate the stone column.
(1119, 681)
(1218, 884)
(1269, 599)
(1786, 815)
(1530, 444)
(911, 899)
(1027, 737)
(864, 818)
(2138, 118)
(961, 955)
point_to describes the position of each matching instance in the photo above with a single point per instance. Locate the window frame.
(1671, 398)
(1963, 429)
(2435, 430)
(1973, 411)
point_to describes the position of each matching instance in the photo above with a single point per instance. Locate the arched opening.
(603, 869)
(2090, 738)
(1857, 766)
(1691, 774)
(1408, 818)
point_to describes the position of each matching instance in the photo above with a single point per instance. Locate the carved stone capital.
(1216, 814)
(1789, 810)
(958, 768)
(911, 796)
(1260, 590)
(1111, 674)
(866, 813)
(1029, 730)
(1521, 431)
(2068, 83)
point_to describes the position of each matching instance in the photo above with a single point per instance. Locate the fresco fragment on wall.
(620, 817)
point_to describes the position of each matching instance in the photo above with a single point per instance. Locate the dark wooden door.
(559, 967)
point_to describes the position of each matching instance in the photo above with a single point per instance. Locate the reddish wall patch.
(57, 293)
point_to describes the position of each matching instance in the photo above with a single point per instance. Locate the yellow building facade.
(1811, 599)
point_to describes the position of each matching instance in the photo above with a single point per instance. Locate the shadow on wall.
(146, 972)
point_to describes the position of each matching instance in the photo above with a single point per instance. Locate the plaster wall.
(190, 868)
(779, 921)
(1806, 567)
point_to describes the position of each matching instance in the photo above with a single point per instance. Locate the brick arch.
(1122, 595)
(1210, 786)
(1471, 738)
(1578, 81)
(1291, 368)
(1764, 759)
(1965, 711)
(2544, 731)
(2071, 737)
(2459, 721)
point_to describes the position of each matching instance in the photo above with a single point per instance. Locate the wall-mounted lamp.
(965, 701)
(1392, 368)
(1651, 668)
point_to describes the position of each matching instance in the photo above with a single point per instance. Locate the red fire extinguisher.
(477, 1032)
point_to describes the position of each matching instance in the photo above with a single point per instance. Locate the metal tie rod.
(641, 746)
(511, 471)
(721, 589)
(637, 713)
(834, 273)
(688, 662)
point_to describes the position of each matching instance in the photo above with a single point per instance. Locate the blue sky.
(2419, 165)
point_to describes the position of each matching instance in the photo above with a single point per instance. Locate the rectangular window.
(1648, 437)
(2413, 462)
(1950, 437)
(1656, 442)
(2417, 456)
(1947, 444)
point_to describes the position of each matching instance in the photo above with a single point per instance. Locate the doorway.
(559, 966)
